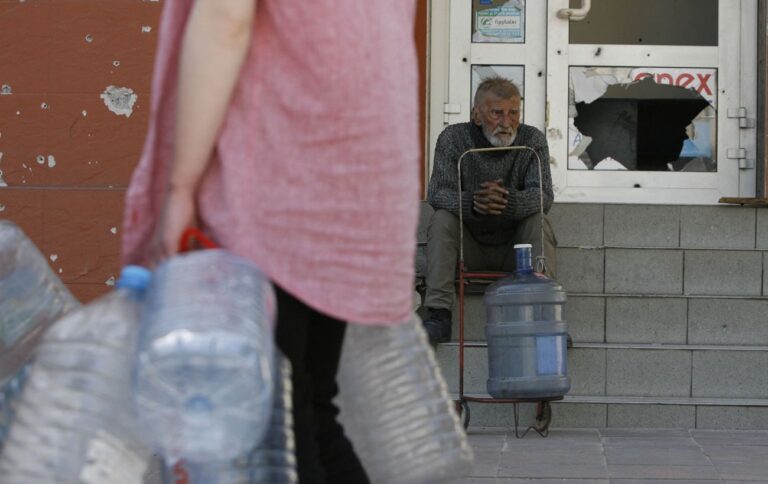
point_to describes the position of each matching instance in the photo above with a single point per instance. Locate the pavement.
(618, 456)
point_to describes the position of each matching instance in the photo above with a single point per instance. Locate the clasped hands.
(491, 198)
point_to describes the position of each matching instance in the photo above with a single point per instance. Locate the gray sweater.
(518, 170)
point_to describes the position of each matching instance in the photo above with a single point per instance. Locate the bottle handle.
(191, 234)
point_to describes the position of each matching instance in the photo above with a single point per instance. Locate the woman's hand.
(179, 213)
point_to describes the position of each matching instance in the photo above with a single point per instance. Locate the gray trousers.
(443, 253)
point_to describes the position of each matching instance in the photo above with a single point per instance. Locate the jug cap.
(134, 277)
(523, 246)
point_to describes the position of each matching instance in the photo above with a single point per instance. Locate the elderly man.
(500, 199)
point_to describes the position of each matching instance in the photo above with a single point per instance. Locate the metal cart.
(467, 277)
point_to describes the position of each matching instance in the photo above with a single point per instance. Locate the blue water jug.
(203, 375)
(526, 334)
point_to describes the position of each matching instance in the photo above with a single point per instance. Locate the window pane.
(653, 22)
(642, 119)
(498, 21)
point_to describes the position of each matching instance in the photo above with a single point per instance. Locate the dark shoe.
(437, 324)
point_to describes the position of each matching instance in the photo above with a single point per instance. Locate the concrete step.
(655, 371)
(626, 318)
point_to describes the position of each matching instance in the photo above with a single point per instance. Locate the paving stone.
(581, 270)
(651, 416)
(638, 271)
(717, 227)
(645, 320)
(741, 471)
(662, 472)
(637, 435)
(585, 316)
(574, 471)
(577, 224)
(642, 226)
(728, 321)
(729, 437)
(636, 373)
(655, 455)
(732, 374)
(726, 273)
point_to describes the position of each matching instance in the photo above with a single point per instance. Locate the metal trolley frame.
(543, 407)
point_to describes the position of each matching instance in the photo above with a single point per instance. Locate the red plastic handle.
(195, 234)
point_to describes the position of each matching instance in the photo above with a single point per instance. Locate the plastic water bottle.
(273, 459)
(74, 420)
(395, 407)
(526, 334)
(203, 381)
(31, 298)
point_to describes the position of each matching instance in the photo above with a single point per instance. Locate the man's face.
(499, 119)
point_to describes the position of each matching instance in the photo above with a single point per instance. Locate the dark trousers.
(312, 342)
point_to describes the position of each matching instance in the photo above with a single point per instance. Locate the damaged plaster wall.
(642, 119)
(74, 93)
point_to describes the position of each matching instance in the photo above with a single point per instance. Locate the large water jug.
(526, 334)
(31, 298)
(395, 407)
(74, 420)
(203, 381)
(273, 459)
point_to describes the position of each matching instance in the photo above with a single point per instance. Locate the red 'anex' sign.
(703, 81)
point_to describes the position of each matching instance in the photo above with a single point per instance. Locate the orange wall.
(66, 158)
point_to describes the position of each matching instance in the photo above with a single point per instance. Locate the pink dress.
(316, 178)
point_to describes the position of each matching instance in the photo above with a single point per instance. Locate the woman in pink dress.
(289, 132)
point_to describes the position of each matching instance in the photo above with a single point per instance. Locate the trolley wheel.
(465, 406)
(543, 416)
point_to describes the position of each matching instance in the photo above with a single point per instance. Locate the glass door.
(647, 101)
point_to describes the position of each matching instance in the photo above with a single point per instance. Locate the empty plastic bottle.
(31, 298)
(273, 459)
(395, 407)
(74, 419)
(526, 334)
(203, 381)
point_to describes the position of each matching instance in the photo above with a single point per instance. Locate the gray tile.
(577, 224)
(565, 415)
(728, 321)
(486, 464)
(762, 228)
(662, 472)
(645, 320)
(729, 273)
(733, 374)
(729, 418)
(574, 471)
(749, 472)
(723, 454)
(586, 369)
(642, 226)
(665, 481)
(636, 373)
(582, 454)
(637, 271)
(651, 416)
(586, 318)
(502, 480)
(655, 455)
(580, 270)
(717, 227)
(486, 438)
(729, 437)
(618, 435)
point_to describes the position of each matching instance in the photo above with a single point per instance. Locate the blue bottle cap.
(134, 277)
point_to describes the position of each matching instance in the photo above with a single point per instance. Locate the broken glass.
(642, 119)
(498, 21)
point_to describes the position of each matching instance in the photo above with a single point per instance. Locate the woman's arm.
(214, 46)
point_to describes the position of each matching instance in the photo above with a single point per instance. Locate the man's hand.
(491, 198)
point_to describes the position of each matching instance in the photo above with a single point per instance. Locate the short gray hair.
(501, 87)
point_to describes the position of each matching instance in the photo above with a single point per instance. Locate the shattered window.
(642, 119)
(647, 22)
(498, 21)
(516, 74)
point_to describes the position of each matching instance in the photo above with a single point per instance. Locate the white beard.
(495, 140)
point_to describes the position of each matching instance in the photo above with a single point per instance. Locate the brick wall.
(66, 152)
